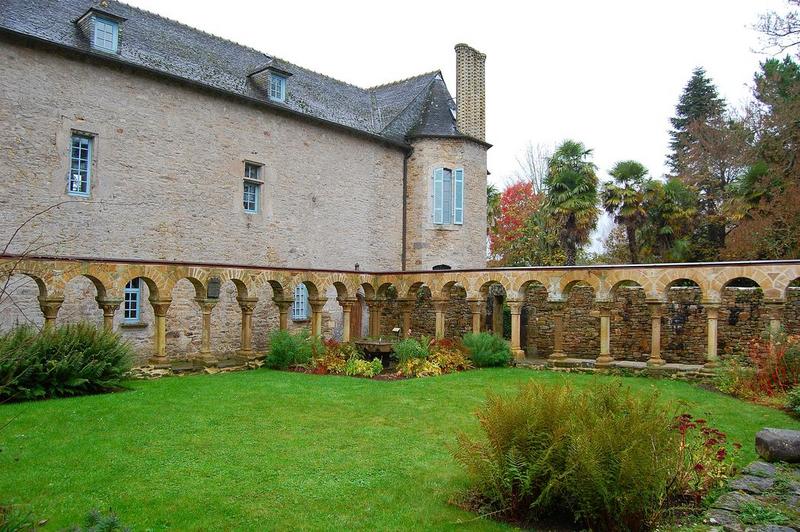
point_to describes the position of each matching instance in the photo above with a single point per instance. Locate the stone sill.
(307, 320)
(139, 325)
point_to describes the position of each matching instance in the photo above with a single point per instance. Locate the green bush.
(487, 350)
(602, 455)
(363, 368)
(64, 361)
(793, 401)
(292, 349)
(410, 349)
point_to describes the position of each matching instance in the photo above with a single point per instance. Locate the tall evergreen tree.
(699, 103)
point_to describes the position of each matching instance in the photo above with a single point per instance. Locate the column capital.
(160, 306)
(439, 305)
(515, 306)
(347, 304)
(774, 308)
(108, 303)
(317, 304)
(476, 305)
(206, 304)
(247, 304)
(283, 304)
(50, 306)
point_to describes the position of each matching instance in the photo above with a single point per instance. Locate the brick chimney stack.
(470, 91)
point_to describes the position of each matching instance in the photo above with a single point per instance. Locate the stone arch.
(527, 283)
(386, 289)
(415, 287)
(568, 284)
(82, 293)
(369, 290)
(684, 281)
(20, 293)
(341, 290)
(740, 282)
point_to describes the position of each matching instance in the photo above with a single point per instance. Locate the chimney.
(470, 92)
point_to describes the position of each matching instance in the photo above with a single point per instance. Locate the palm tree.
(492, 206)
(622, 199)
(571, 185)
(671, 207)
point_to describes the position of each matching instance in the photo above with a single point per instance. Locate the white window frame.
(277, 87)
(106, 34)
(79, 179)
(132, 304)
(251, 189)
(300, 306)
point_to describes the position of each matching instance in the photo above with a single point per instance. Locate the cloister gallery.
(204, 313)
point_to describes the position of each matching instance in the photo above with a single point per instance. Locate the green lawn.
(265, 449)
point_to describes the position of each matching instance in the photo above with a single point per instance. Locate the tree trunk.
(571, 251)
(630, 232)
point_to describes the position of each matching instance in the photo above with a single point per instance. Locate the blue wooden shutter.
(458, 196)
(438, 197)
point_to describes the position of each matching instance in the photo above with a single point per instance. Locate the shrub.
(450, 360)
(487, 350)
(793, 401)
(604, 455)
(363, 368)
(292, 349)
(419, 367)
(769, 367)
(410, 348)
(63, 361)
(704, 461)
(334, 357)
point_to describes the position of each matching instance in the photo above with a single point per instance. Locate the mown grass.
(266, 449)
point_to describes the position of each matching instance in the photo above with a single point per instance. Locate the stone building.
(152, 140)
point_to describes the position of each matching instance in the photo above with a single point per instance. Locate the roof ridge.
(268, 56)
(382, 85)
(182, 24)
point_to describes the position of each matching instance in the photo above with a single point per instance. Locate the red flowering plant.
(704, 460)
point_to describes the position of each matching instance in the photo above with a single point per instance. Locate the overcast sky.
(606, 73)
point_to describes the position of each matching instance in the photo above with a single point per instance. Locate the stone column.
(439, 305)
(604, 359)
(712, 313)
(316, 315)
(558, 330)
(656, 313)
(497, 315)
(347, 307)
(247, 304)
(109, 307)
(407, 308)
(476, 307)
(516, 348)
(160, 307)
(205, 357)
(374, 321)
(283, 312)
(50, 306)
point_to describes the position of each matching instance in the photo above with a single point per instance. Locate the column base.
(159, 362)
(711, 364)
(205, 360)
(519, 354)
(655, 362)
(603, 361)
(246, 356)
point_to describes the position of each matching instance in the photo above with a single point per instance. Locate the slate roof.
(417, 106)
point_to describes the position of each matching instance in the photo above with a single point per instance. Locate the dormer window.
(277, 87)
(106, 34)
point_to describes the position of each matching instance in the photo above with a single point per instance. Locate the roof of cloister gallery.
(417, 106)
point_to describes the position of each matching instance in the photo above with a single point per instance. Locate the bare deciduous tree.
(532, 165)
(780, 32)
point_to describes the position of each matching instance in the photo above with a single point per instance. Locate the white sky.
(606, 73)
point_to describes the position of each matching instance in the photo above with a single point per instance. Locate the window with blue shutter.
(438, 175)
(458, 196)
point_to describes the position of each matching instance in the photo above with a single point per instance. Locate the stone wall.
(167, 171)
(458, 246)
